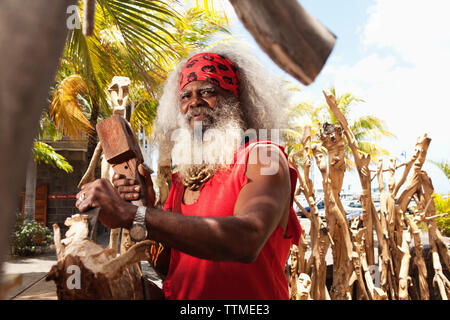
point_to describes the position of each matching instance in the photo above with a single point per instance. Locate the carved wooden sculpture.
(438, 246)
(119, 94)
(434, 234)
(418, 260)
(353, 252)
(85, 270)
(303, 287)
(387, 204)
(362, 162)
(360, 266)
(320, 239)
(293, 273)
(343, 249)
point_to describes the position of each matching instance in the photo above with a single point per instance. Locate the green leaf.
(43, 152)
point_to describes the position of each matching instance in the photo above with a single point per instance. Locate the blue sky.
(395, 54)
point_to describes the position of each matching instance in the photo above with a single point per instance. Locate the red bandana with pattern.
(212, 68)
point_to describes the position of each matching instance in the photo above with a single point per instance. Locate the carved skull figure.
(303, 287)
(119, 92)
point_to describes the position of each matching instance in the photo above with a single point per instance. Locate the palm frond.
(369, 127)
(44, 153)
(444, 165)
(65, 110)
(139, 39)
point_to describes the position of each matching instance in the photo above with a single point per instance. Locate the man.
(228, 218)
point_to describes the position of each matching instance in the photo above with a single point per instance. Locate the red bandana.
(213, 68)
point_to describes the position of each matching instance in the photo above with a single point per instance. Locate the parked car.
(319, 203)
(320, 206)
(352, 209)
(353, 215)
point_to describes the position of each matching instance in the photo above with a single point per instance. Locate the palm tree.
(444, 165)
(142, 40)
(136, 38)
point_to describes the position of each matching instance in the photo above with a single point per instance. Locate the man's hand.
(115, 212)
(129, 189)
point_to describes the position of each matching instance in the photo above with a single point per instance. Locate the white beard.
(212, 149)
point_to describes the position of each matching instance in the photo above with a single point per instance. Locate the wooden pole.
(294, 39)
(32, 37)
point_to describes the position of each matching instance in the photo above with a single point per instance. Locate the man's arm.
(259, 209)
(262, 205)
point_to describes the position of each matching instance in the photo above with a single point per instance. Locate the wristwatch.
(138, 230)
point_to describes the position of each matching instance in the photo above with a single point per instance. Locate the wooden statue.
(337, 223)
(439, 248)
(320, 237)
(303, 287)
(85, 270)
(119, 94)
(382, 227)
(418, 260)
(352, 247)
(362, 162)
(293, 273)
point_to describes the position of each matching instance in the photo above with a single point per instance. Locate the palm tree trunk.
(32, 34)
(30, 191)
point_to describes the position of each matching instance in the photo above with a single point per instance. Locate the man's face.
(198, 101)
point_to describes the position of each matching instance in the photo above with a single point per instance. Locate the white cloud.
(416, 29)
(407, 82)
(404, 77)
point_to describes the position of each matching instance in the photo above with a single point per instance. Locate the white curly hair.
(263, 96)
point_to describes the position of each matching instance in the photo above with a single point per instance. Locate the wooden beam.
(292, 38)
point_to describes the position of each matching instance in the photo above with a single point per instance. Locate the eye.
(208, 92)
(184, 95)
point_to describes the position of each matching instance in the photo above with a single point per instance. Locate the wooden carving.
(85, 270)
(332, 178)
(303, 287)
(320, 238)
(294, 273)
(119, 94)
(362, 165)
(357, 272)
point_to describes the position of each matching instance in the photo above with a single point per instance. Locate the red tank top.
(191, 278)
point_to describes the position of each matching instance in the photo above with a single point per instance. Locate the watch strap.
(139, 218)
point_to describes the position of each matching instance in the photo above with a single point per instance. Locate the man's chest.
(190, 197)
(216, 198)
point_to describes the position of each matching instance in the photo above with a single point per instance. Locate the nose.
(194, 102)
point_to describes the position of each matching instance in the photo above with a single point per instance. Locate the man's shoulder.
(267, 157)
(254, 146)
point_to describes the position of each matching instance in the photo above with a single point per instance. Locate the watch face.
(138, 232)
